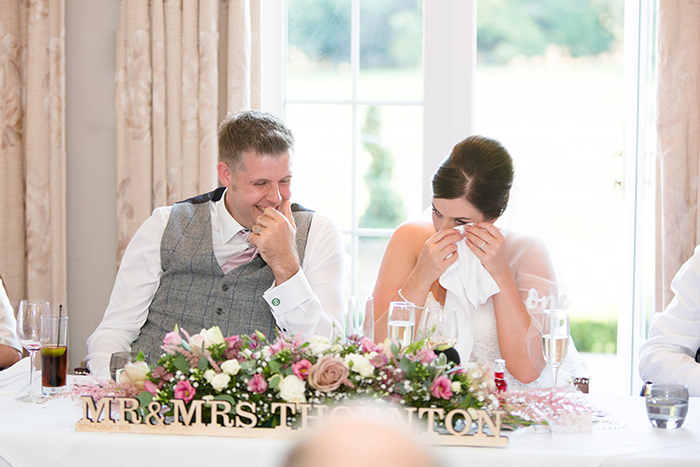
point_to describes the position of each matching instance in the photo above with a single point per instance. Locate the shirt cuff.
(289, 295)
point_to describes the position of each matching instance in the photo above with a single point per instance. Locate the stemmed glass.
(360, 317)
(29, 333)
(438, 325)
(555, 339)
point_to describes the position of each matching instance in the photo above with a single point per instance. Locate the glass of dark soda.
(54, 353)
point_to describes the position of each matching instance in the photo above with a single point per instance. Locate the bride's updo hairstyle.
(480, 170)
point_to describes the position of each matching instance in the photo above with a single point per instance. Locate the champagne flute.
(438, 326)
(360, 317)
(29, 333)
(555, 339)
(402, 320)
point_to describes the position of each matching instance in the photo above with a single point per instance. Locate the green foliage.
(390, 31)
(385, 209)
(507, 28)
(594, 336)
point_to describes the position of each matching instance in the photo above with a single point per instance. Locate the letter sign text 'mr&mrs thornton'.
(222, 418)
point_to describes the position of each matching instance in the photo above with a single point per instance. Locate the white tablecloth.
(43, 435)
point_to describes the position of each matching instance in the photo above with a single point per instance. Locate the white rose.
(209, 375)
(319, 344)
(220, 381)
(231, 367)
(134, 373)
(292, 389)
(456, 387)
(359, 364)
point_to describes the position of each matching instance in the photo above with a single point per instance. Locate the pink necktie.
(243, 257)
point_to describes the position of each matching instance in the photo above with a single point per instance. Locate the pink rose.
(185, 391)
(329, 373)
(301, 369)
(441, 388)
(368, 345)
(257, 384)
(170, 342)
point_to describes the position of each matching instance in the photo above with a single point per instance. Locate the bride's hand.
(438, 253)
(489, 245)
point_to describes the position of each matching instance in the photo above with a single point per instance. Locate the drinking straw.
(58, 335)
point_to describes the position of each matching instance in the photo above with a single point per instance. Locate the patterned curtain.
(678, 130)
(181, 67)
(33, 149)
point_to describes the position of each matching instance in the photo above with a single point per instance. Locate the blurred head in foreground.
(357, 441)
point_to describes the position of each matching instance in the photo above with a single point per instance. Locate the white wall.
(91, 168)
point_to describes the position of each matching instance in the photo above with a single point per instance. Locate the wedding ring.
(482, 245)
(258, 231)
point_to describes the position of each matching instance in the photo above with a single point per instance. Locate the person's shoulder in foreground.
(668, 355)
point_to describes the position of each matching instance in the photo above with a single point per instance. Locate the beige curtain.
(181, 67)
(678, 129)
(33, 149)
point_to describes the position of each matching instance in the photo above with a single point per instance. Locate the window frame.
(449, 33)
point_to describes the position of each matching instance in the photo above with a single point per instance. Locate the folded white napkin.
(468, 285)
(467, 278)
(16, 378)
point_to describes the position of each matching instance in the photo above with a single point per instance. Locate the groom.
(241, 257)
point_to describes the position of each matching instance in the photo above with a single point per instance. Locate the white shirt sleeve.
(674, 337)
(8, 324)
(134, 289)
(311, 302)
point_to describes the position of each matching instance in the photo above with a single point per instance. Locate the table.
(43, 435)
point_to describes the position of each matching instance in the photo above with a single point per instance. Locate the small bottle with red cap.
(500, 377)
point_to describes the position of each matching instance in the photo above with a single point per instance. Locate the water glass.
(402, 320)
(667, 405)
(360, 317)
(54, 353)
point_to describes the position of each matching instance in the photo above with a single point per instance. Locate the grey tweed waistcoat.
(195, 294)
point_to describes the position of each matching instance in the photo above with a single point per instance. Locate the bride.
(470, 192)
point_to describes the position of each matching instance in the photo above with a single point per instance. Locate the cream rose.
(134, 373)
(209, 375)
(359, 364)
(231, 367)
(292, 390)
(205, 339)
(220, 381)
(319, 344)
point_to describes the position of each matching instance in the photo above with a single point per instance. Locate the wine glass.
(438, 326)
(29, 333)
(402, 320)
(555, 339)
(360, 317)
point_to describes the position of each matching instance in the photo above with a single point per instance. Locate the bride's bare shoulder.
(414, 231)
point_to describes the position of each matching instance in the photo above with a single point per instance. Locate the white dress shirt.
(8, 324)
(309, 303)
(668, 356)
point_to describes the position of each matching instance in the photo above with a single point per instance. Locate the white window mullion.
(449, 64)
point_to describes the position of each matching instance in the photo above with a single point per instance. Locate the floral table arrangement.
(207, 376)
